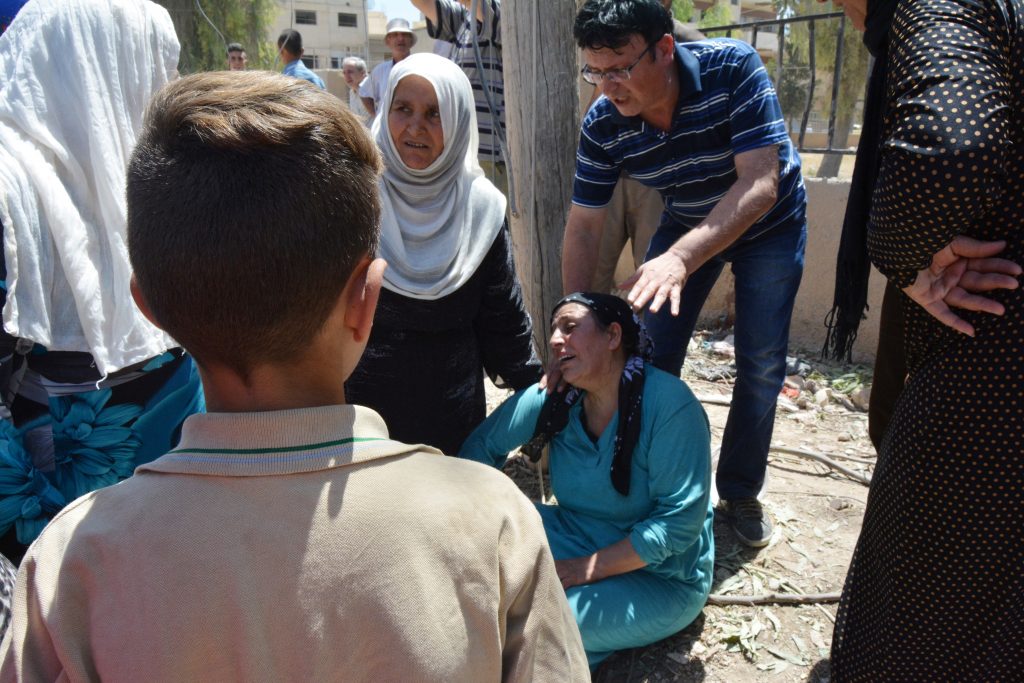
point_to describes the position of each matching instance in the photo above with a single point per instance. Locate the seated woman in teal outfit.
(630, 466)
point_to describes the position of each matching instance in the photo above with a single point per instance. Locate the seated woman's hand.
(957, 274)
(618, 558)
(577, 571)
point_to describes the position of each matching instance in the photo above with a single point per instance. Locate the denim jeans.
(767, 269)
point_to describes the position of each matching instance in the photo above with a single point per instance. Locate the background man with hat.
(400, 39)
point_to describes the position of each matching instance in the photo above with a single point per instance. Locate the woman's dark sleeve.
(502, 325)
(948, 127)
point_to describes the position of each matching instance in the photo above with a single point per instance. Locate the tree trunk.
(183, 15)
(830, 163)
(541, 100)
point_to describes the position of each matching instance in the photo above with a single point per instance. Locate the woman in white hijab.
(90, 389)
(452, 306)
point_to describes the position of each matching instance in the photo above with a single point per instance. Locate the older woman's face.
(414, 122)
(580, 346)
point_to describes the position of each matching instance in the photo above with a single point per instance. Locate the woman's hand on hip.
(957, 276)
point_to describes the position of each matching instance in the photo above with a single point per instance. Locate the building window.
(305, 16)
(348, 19)
(311, 61)
(335, 62)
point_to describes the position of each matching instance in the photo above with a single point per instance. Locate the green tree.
(682, 9)
(852, 79)
(852, 74)
(718, 14)
(203, 48)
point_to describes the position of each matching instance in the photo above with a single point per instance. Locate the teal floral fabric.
(80, 442)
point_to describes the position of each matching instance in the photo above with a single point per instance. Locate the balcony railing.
(780, 29)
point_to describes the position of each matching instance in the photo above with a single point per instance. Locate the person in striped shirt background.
(701, 123)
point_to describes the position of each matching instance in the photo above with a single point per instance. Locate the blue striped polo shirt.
(726, 106)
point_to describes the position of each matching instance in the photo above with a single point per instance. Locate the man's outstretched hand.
(957, 276)
(659, 280)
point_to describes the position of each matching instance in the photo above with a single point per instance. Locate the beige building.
(331, 29)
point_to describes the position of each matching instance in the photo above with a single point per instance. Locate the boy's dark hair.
(290, 40)
(235, 47)
(251, 198)
(610, 23)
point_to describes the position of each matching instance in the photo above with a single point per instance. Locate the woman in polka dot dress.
(935, 591)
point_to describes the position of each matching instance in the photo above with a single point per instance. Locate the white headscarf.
(437, 224)
(75, 78)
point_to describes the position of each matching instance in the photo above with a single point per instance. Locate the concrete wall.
(826, 204)
(334, 79)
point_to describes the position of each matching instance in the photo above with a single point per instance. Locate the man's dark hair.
(611, 23)
(251, 198)
(235, 47)
(290, 40)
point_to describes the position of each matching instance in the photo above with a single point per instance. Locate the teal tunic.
(667, 515)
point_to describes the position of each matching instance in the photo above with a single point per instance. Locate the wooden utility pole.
(541, 101)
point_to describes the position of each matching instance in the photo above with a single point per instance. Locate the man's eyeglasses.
(595, 77)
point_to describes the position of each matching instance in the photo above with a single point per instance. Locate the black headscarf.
(852, 265)
(554, 416)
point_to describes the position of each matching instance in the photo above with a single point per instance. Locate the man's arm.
(481, 9)
(580, 246)
(428, 8)
(751, 196)
(370, 107)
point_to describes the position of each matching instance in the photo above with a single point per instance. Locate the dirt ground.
(816, 511)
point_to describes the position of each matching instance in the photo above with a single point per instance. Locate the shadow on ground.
(730, 554)
(666, 660)
(821, 672)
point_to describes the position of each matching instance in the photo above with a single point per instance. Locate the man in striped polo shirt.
(701, 123)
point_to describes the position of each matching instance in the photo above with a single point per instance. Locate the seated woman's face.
(582, 348)
(414, 122)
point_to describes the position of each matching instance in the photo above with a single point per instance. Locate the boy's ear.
(140, 301)
(362, 291)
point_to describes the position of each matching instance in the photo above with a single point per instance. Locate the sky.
(396, 8)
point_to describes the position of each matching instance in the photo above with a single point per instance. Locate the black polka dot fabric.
(935, 590)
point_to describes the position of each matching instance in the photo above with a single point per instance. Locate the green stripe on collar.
(280, 449)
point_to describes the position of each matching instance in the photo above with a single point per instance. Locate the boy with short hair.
(237, 59)
(286, 537)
